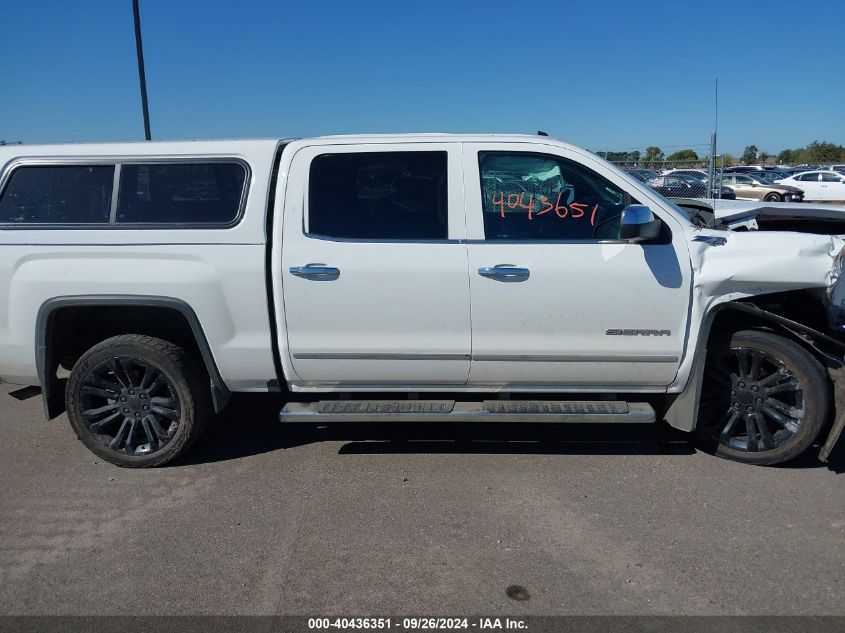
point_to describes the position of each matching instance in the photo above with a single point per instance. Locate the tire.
(138, 401)
(764, 399)
(772, 197)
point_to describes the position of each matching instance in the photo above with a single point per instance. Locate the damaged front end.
(791, 281)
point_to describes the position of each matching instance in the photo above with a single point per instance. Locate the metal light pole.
(711, 168)
(139, 49)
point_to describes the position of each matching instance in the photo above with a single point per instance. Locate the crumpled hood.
(729, 209)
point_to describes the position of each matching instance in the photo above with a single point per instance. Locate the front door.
(811, 185)
(559, 301)
(744, 188)
(374, 272)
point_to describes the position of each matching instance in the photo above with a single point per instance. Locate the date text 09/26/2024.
(417, 624)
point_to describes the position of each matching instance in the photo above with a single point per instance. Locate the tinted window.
(540, 197)
(744, 180)
(68, 194)
(813, 177)
(831, 178)
(186, 193)
(379, 195)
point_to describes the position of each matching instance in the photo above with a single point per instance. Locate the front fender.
(682, 411)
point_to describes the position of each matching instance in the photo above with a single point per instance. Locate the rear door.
(374, 273)
(831, 186)
(559, 301)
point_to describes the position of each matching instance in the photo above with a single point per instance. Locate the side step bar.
(574, 412)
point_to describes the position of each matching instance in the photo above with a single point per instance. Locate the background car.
(683, 186)
(769, 175)
(698, 179)
(753, 186)
(698, 174)
(643, 175)
(818, 185)
(742, 169)
(799, 169)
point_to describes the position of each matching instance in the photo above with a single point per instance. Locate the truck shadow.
(250, 426)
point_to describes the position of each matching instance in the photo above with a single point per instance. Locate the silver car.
(749, 186)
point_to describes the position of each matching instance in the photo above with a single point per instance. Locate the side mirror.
(639, 224)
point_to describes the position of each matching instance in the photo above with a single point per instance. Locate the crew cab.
(437, 278)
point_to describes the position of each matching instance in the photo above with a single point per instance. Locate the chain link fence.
(685, 178)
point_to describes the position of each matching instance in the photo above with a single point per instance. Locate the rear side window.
(379, 195)
(183, 193)
(66, 194)
(811, 177)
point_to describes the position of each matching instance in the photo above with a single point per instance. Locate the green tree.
(815, 152)
(749, 155)
(684, 154)
(727, 158)
(653, 154)
(788, 156)
(822, 152)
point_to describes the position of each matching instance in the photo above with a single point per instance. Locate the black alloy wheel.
(138, 401)
(764, 399)
(131, 405)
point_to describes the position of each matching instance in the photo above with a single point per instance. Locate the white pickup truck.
(436, 278)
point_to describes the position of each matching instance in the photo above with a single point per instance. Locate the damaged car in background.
(750, 186)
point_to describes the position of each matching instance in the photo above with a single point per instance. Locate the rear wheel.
(764, 399)
(138, 401)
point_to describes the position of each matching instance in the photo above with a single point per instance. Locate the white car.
(818, 185)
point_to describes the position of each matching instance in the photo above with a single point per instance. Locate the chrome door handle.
(505, 272)
(315, 271)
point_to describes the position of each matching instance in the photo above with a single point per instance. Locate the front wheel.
(764, 399)
(773, 197)
(137, 401)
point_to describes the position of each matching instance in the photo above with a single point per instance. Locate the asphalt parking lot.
(260, 519)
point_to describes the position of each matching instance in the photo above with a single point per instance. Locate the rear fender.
(53, 388)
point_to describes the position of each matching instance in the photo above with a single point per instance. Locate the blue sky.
(602, 74)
